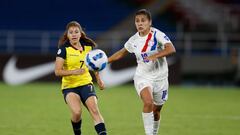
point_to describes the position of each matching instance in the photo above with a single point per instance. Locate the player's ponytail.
(63, 39)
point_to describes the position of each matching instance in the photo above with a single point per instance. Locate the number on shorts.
(164, 95)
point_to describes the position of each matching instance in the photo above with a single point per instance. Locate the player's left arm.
(168, 50)
(99, 81)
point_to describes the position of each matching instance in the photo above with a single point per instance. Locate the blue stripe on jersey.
(155, 42)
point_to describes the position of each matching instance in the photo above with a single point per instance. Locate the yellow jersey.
(75, 59)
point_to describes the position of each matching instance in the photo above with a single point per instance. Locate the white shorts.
(159, 88)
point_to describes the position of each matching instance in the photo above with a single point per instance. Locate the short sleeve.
(162, 38)
(129, 46)
(61, 52)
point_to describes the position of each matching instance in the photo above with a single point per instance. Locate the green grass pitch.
(39, 109)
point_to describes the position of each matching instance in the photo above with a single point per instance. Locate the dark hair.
(144, 12)
(63, 39)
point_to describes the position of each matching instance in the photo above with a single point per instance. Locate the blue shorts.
(84, 92)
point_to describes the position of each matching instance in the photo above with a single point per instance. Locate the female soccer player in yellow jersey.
(77, 86)
(150, 46)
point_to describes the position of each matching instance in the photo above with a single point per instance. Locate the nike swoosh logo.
(14, 76)
(113, 78)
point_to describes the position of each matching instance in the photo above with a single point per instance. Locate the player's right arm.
(118, 55)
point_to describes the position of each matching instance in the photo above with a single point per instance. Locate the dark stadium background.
(204, 73)
(206, 34)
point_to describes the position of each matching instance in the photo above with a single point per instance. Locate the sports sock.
(77, 127)
(100, 129)
(148, 122)
(156, 125)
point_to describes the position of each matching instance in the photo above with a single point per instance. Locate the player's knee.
(76, 114)
(148, 104)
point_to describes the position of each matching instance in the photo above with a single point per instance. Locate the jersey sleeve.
(61, 52)
(129, 46)
(162, 38)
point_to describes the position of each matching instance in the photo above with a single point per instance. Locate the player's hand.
(100, 84)
(79, 71)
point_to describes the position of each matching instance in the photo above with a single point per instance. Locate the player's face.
(74, 35)
(143, 24)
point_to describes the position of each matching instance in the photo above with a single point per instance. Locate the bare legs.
(74, 103)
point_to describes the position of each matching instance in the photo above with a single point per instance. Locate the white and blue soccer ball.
(96, 60)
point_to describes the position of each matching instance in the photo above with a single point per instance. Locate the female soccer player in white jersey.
(150, 46)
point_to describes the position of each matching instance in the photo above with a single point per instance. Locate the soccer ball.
(96, 60)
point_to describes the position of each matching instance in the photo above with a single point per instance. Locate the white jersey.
(146, 46)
